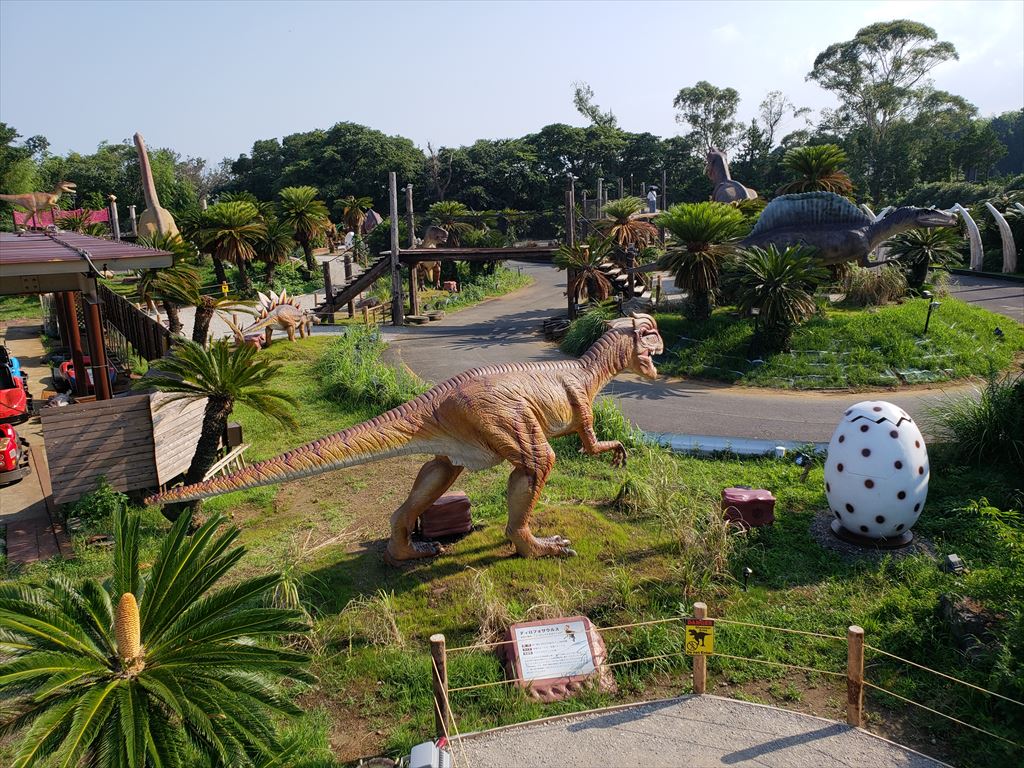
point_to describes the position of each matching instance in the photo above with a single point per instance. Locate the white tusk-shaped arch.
(1006, 235)
(974, 234)
(867, 209)
(881, 252)
(1019, 207)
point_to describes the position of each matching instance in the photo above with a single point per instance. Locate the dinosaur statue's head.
(67, 186)
(717, 165)
(647, 342)
(932, 217)
(434, 237)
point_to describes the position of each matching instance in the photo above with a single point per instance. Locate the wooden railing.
(148, 338)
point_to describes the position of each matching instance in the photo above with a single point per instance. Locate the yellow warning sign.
(700, 637)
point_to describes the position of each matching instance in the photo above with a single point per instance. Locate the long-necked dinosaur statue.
(727, 189)
(473, 421)
(834, 227)
(154, 219)
(280, 312)
(39, 202)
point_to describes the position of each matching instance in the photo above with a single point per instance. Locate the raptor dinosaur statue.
(154, 219)
(835, 228)
(473, 421)
(727, 189)
(431, 270)
(281, 312)
(40, 202)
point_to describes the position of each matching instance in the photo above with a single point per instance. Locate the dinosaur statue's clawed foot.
(413, 550)
(548, 546)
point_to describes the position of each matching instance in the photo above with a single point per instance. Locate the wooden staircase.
(361, 282)
(620, 280)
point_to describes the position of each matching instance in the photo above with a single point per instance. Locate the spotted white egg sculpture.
(876, 473)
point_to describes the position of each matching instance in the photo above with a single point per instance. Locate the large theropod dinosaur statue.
(473, 421)
(836, 229)
(40, 202)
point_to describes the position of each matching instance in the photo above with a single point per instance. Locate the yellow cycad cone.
(127, 629)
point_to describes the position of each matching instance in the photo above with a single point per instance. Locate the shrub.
(101, 504)
(816, 168)
(985, 429)
(919, 249)
(351, 370)
(585, 330)
(873, 287)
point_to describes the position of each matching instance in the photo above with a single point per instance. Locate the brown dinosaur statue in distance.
(154, 219)
(39, 202)
(727, 189)
(281, 312)
(473, 421)
(431, 270)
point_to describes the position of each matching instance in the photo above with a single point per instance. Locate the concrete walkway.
(508, 329)
(1004, 297)
(693, 731)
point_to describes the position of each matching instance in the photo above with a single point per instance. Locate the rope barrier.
(941, 714)
(942, 674)
(475, 646)
(780, 664)
(451, 714)
(779, 629)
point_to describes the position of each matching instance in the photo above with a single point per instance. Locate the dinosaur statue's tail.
(387, 435)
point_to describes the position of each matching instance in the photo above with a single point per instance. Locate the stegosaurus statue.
(282, 312)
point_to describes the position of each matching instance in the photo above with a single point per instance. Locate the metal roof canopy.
(43, 262)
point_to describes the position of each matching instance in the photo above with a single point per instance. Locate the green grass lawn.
(20, 308)
(649, 561)
(847, 347)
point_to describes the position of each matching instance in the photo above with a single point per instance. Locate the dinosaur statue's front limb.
(591, 445)
(434, 478)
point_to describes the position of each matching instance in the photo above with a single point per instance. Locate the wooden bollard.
(700, 663)
(439, 673)
(854, 675)
(366, 315)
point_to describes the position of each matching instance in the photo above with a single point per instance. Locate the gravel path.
(693, 731)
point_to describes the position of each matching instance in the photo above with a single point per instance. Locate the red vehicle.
(13, 455)
(15, 400)
(67, 371)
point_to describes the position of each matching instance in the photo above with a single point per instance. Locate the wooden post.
(348, 280)
(366, 315)
(414, 296)
(620, 188)
(397, 309)
(115, 226)
(854, 675)
(439, 673)
(75, 342)
(97, 353)
(600, 197)
(664, 203)
(700, 663)
(133, 220)
(657, 292)
(570, 240)
(410, 218)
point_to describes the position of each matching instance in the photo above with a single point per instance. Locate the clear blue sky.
(208, 78)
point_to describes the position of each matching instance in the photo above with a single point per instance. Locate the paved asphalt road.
(694, 731)
(508, 329)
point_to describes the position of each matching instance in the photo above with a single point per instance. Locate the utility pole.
(397, 310)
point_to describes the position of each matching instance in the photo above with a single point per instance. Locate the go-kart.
(6, 359)
(13, 455)
(65, 372)
(15, 400)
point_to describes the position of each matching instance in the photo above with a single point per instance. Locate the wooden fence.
(149, 339)
(131, 441)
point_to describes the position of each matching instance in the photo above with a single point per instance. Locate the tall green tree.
(710, 112)
(307, 216)
(816, 168)
(230, 232)
(583, 100)
(175, 286)
(275, 246)
(163, 666)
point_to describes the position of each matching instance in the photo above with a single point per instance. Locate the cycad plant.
(353, 212)
(703, 234)
(583, 262)
(779, 285)
(817, 169)
(919, 249)
(622, 226)
(231, 231)
(449, 215)
(174, 286)
(149, 668)
(307, 216)
(275, 246)
(224, 376)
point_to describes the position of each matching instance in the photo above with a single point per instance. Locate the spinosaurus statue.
(473, 421)
(155, 219)
(430, 271)
(281, 312)
(40, 202)
(835, 228)
(727, 190)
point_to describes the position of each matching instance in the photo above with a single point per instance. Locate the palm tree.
(172, 286)
(817, 169)
(275, 246)
(919, 249)
(780, 286)
(307, 217)
(620, 223)
(224, 376)
(449, 215)
(582, 261)
(149, 668)
(231, 230)
(703, 234)
(353, 212)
